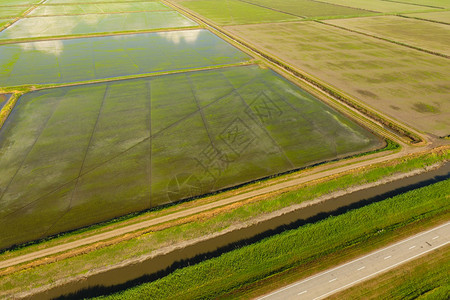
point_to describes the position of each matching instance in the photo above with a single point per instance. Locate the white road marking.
(378, 272)
(412, 247)
(353, 261)
(332, 280)
(388, 257)
(435, 237)
(301, 293)
(361, 268)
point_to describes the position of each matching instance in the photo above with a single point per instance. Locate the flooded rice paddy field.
(73, 156)
(94, 23)
(59, 61)
(409, 85)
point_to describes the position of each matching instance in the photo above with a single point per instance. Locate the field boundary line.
(385, 39)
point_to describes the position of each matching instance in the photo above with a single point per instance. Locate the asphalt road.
(344, 276)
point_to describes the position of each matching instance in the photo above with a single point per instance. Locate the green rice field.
(3, 22)
(51, 26)
(435, 3)
(121, 7)
(86, 1)
(83, 59)
(440, 16)
(231, 12)
(99, 151)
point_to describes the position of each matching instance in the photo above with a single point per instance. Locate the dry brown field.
(408, 85)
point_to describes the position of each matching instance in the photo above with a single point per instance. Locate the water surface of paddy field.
(230, 12)
(89, 1)
(82, 59)
(94, 23)
(408, 85)
(94, 152)
(123, 7)
(430, 36)
(4, 99)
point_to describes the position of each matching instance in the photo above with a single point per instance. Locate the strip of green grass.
(217, 276)
(424, 278)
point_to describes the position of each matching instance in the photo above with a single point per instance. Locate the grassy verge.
(217, 276)
(424, 278)
(215, 221)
